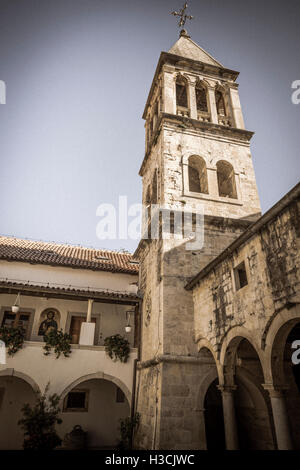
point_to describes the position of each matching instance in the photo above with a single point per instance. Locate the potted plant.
(59, 341)
(13, 338)
(117, 347)
(127, 427)
(39, 422)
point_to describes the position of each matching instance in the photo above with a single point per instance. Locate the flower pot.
(75, 439)
(128, 329)
(15, 308)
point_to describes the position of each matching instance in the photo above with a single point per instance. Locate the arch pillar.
(212, 105)
(192, 98)
(281, 423)
(231, 435)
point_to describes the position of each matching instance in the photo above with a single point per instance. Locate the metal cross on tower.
(182, 15)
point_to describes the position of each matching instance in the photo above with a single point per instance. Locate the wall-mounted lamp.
(16, 306)
(128, 327)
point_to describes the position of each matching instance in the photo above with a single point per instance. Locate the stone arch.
(244, 373)
(17, 389)
(201, 96)
(283, 372)
(205, 344)
(208, 404)
(203, 387)
(97, 375)
(181, 92)
(197, 173)
(99, 409)
(230, 345)
(276, 332)
(21, 375)
(220, 95)
(250, 396)
(226, 179)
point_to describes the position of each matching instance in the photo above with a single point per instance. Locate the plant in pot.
(39, 422)
(117, 347)
(59, 341)
(127, 427)
(13, 338)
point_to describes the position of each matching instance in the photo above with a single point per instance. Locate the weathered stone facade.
(249, 331)
(179, 348)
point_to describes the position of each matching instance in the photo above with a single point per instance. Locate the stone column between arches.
(280, 417)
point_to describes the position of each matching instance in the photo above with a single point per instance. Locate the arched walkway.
(16, 389)
(97, 375)
(214, 418)
(209, 405)
(285, 370)
(96, 402)
(248, 416)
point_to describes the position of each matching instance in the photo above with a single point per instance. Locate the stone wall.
(180, 143)
(272, 260)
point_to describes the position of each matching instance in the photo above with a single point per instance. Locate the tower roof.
(185, 47)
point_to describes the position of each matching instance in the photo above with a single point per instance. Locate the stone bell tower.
(197, 155)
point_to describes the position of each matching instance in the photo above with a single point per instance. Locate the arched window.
(148, 196)
(197, 175)
(201, 98)
(226, 180)
(147, 208)
(181, 92)
(155, 116)
(220, 103)
(154, 188)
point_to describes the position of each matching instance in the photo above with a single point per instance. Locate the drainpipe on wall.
(138, 312)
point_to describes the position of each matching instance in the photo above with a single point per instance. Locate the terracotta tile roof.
(99, 294)
(36, 252)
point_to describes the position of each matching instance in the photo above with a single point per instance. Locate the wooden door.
(75, 327)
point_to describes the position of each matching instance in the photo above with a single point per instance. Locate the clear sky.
(78, 73)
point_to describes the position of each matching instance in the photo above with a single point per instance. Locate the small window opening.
(76, 401)
(198, 182)
(201, 99)
(226, 180)
(220, 103)
(240, 276)
(181, 93)
(120, 397)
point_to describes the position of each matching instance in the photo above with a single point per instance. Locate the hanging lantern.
(128, 327)
(16, 306)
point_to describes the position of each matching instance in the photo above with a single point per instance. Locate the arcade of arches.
(243, 411)
(97, 405)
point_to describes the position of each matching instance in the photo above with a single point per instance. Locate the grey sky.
(78, 73)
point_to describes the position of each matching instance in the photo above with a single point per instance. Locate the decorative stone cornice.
(274, 390)
(241, 135)
(227, 388)
(172, 358)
